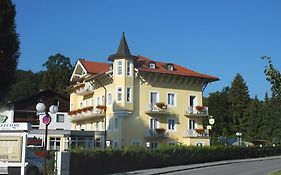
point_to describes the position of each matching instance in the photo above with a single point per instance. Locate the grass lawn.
(277, 173)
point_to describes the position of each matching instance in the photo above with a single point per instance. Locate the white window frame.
(116, 124)
(129, 68)
(192, 124)
(175, 125)
(119, 70)
(57, 117)
(170, 67)
(152, 65)
(195, 101)
(117, 93)
(175, 99)
(158, 96)
(130, 94)
(155, 123)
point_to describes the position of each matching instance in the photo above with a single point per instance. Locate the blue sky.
(218, 37)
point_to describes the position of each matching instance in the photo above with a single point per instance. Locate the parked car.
(35, 163)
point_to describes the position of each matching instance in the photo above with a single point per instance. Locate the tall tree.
(58, 73)
(273, 76)
(239, 99)
(9, 46)
(219, 108)
(27, 83)
(255, 121)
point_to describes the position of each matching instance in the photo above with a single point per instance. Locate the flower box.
(161, 105)
(160, 130)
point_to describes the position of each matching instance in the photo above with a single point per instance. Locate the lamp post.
(239, 134)
(40, 107)
(148, 145)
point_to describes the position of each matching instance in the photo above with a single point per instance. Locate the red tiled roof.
(143, 63)
(95, 67)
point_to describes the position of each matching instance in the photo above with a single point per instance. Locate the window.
(192, 124)
(119, 67)
(116, 123)
(119, 94)
(55, 143)
(192, 100)
(60, 118)
(171, 124)
(102, 100)
(154, 123)
(115, 144)
(109, 99)
(129, 68)
(152, 65)
(128, 94)
(170, 67)
(171, 99)
(154, 98)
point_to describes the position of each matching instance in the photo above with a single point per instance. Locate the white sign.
(14, 127)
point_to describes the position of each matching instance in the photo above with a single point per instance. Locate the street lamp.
(41, 110)
(147, 145)
(239, 134)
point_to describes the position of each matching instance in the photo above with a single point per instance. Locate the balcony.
(197, 111)
(84, 89)
(85, 114)
(158, 108)
(159, 133)
(196, 133)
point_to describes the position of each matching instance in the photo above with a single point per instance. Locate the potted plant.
(101, 108)
(200, 108)
(200, 130)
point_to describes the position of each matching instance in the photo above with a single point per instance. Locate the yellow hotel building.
(134, 100)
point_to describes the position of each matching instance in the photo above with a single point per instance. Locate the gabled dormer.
(79, 72)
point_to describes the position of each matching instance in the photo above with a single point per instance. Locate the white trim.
(76, 66)
(117, 68)
(122, 94)
(130, 99)
(128, 62)
(175, 99)
(158, 96)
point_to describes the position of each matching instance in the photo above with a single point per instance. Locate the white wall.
(66, 125)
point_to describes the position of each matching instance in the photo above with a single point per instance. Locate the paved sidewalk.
(172, 169)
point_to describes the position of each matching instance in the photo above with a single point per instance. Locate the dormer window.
(152, 65)
(170, 67)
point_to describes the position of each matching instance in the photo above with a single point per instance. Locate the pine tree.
(239, 100)
(9, 46)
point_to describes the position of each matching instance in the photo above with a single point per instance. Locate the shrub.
(98, 161)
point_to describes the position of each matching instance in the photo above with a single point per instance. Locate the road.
(246, 168)
(255, 166)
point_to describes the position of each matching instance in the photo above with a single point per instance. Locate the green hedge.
(85, 161)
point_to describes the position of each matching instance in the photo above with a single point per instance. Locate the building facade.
(135, 100)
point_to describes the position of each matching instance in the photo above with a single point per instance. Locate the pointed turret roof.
(123, 50)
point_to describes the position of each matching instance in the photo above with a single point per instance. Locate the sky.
(218, 37)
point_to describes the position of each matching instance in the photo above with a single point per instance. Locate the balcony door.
(154, 123)
(154, 98)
